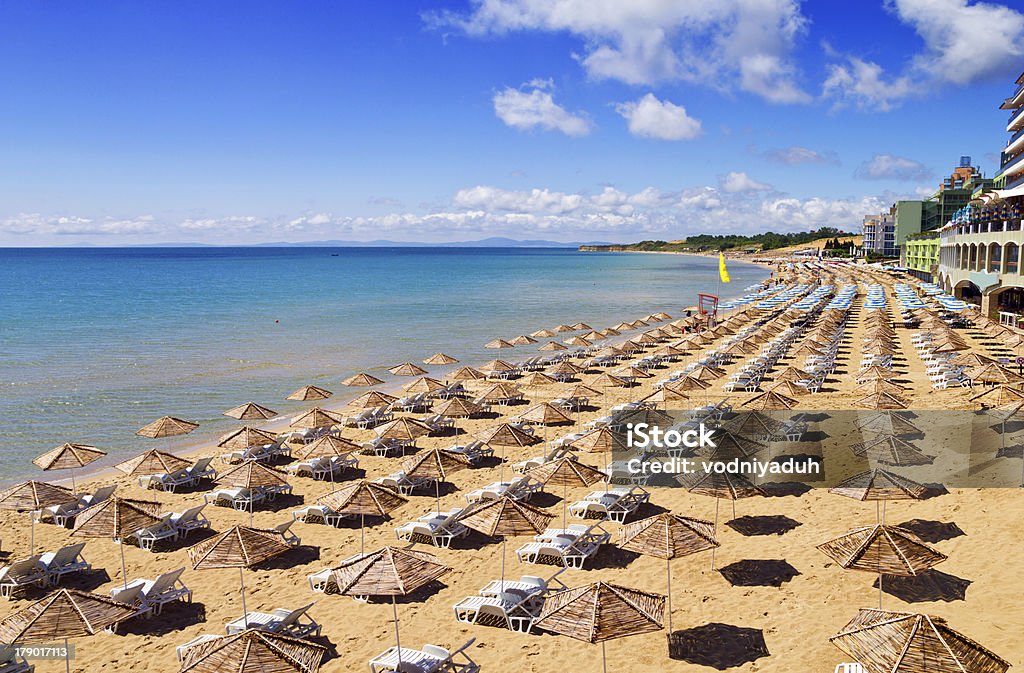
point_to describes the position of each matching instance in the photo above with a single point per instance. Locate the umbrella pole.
(245, 612)
(67, 657)
(74, 488)
(124, 573)
(565, 504)
(398, 643)
(32, 537)
(437, 494)
(668, 569)
(503, 537)
(362, 533)
(717, 503)
(604, 658)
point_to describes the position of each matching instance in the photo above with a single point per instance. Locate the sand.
(796, 618)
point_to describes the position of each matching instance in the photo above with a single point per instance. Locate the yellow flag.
(723, 273)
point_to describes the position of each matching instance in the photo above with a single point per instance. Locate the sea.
(96, 342)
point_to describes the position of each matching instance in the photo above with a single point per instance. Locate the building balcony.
(1016, 120)
(1011, 166)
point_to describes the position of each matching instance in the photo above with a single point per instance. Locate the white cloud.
(70, 225)
(535, 107)
(732, 44)
(864, 85)
(964, 42)
(649, 117)
(736, 182)
(796, 155)
(890, 167)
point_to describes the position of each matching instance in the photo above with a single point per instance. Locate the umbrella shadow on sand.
(296, 556)
(173, 617)
(928, 586)
(773, 524)
(759, 573)
(933, 531)
(717, 645)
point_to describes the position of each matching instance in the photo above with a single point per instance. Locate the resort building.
(886, 234)
(921, 255)
(980, 245)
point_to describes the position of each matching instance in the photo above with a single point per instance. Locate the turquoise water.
(94, 343)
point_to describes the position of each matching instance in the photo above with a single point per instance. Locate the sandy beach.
(796, 619)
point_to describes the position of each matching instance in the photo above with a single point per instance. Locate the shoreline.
(196, 447)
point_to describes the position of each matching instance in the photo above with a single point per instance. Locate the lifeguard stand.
(707, 304)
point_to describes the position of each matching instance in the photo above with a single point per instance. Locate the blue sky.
(126, 122)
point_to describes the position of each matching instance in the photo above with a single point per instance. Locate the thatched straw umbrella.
(64, 614)
(166, 426)
(458, 407)
(505, 517)
(315, 418)
(501, 391)
(594, 336)
(522, 340)
(624, 327)
(309, 393)
(116, 518)
(566, 472)
(250, 411)
(995, 373)
(888, 422)
(599, 612)
(362, 498)
(362, 380)
(534, 379)
(504, 436)
(668, 536)
(153, 461)
(466, 374)
(564, 370)
(30, 496)
(787, 389)
(372, 400)
(546, 414)
(498, 343)
(552, 346)
(881, 549)
(576, 341)
(600, 440)
(252, 475)
(581, 326)
(880, 486)
(68, 456)
(543, 334)
(973, 359)
(424, 384)
(440, 359)
(564, 328)
(1000, 395)
(254, 650)
(388, 572)
(404, 429)
(725, 486)
(498, 366)
(875, 372)
(245, 437)
(328, 446)
(891, 450)
(902, 642)
(755, 424)
(238, 547)
(770, 401)
(879, 386)
(436, 465)
(610, 331)
(881, 400)
(407, 369)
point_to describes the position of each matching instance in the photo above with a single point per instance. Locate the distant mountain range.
(494, 242)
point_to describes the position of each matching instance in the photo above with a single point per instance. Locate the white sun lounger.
(428, 659)
(155, 594)
(507, 609)
(21, 575)
(148, 537)
(295, 623)
(437, 528)
(64, 561)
